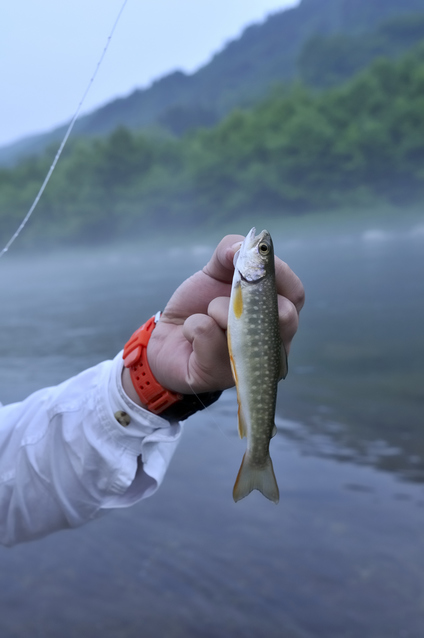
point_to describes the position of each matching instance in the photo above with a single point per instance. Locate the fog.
(342, 553)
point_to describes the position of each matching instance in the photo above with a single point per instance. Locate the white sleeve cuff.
(147, 435)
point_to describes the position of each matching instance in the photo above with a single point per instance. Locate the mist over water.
(357, 372)
(342, 555)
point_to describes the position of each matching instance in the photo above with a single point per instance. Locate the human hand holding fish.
(188, 350)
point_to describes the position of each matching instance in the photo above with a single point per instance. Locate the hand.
(188, 351)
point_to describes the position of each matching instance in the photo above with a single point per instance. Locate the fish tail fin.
(252, 478)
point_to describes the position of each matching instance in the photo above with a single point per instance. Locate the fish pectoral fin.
(284, 368)
(252, 478)
(274, 430)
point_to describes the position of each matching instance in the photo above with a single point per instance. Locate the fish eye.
(263, 249)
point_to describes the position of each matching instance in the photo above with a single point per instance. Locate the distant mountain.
(309, 41)
(359, 145)
(326, 61)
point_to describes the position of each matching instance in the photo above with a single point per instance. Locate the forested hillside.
(322, 42)
(330, 60)
(299, 150)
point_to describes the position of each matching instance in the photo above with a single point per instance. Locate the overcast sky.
(49, 50)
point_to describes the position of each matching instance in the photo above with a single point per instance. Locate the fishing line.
(205, 407)
(65, 139)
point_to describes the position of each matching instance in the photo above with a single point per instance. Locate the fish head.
(255, 258)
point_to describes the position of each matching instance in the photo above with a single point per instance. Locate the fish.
(258, 360)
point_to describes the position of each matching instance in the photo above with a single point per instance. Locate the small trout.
(258, 360)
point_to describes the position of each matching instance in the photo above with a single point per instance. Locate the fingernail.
(235, 247)
(232, 251)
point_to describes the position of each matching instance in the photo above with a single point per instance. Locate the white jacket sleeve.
(65, 458)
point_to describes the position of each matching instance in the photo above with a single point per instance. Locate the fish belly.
(255, 351)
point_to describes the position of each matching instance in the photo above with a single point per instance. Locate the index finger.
(220, 266)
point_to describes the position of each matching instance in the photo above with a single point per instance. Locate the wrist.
(129, 388)
(142, 387)
(150, 392)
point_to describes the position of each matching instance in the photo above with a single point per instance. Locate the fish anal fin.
(251, 477)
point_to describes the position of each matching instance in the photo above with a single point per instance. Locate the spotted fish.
(258, 360)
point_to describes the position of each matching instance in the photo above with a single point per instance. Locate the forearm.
(66, 458)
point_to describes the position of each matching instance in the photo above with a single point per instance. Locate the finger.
(288, 319)
(191, 297)
(218, 310)
(220, 266)
(289, 284)
(209, 365)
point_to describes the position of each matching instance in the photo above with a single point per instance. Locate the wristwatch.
(172, 406)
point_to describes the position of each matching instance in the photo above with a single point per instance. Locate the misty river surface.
(341, 555)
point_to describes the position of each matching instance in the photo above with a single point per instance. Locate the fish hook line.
(205, 407)
(66, 136)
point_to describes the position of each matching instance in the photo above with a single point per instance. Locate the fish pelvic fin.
(284, 368)
(242, 429)
(252, 478)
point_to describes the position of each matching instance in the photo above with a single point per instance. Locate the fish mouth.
(247, 243)
(251, 238)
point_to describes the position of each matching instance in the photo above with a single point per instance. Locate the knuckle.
(299, 296)
(288, 315)
(204, 328)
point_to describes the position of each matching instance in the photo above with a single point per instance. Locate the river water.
(341, 556)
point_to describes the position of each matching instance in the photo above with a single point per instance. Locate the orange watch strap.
(155, 397)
